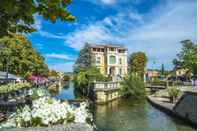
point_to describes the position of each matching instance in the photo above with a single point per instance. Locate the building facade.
(111, 60)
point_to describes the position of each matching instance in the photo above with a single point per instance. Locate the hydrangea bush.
(47, 111)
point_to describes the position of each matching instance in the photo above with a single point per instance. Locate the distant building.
(181, 72)
(111, 60)
(152, 74)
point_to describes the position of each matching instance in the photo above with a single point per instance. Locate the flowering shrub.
(47, 111)
(36, 93)
(14, 87)
(37, 79)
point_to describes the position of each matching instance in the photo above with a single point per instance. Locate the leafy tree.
(22, 58)
(132, 86)
(187, 58)
(137, 63)
(18, 15)
(5, 52)
(53, 73)
(85, 59)
(84, 78)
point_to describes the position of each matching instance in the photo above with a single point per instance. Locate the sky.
(155, 27)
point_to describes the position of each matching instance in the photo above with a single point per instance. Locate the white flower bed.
(47, 111)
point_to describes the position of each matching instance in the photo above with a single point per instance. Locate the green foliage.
(132, 86)
(137, 63)
(22, 59)
(85, 59)
(19, 16)
(14, 87)
(66, 78)
(53, 73)
(36, 93)
(187, 58)
(84, 78)
(173, 93)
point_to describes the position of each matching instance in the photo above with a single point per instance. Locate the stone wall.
(187, 107)
(71, 127)
(104, 96)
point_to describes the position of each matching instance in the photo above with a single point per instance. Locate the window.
(98, 60)
(98, 50)
(121, 51)
(112, 59)
(94, 49)
(120, 61)
(112, 49)
(120, 71)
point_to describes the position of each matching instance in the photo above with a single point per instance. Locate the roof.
(10, 76)
(108, 45)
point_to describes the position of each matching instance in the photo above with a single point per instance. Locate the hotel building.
(111, 60)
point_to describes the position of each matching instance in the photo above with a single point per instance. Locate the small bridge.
(155, 88)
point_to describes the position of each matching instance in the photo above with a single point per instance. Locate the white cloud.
(50, 35)
(92, 34)
(38, 23)
(106, 31)
(63, 67)
(59, 56)
(113, 2)
(108, 1)
(158, 33)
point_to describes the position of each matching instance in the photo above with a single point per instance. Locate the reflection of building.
(111, 60)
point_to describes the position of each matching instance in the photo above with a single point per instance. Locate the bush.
(84, 78)
(14, 87)
(47, 111)
(173, 93)
(132, 86)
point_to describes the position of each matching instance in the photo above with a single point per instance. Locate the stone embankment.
(185, 108)
(71, 127)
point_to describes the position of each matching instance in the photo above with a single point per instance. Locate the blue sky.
(153, 26)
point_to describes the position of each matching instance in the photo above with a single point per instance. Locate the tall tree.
(187, 57)
(162, 69)
(18, 15)
(137, 63)
(85, 59)
(22, 58)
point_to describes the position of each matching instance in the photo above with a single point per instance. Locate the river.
(129, 115)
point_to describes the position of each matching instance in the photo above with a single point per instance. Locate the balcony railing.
(106, 85)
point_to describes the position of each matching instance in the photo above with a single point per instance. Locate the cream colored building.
(111, 60)
(181, 72)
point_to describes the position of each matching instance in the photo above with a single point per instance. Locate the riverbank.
(185, 108)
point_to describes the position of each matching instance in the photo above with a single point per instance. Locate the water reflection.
(129, 115)
(66, 92)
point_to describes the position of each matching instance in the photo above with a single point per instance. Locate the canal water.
(129, 115)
